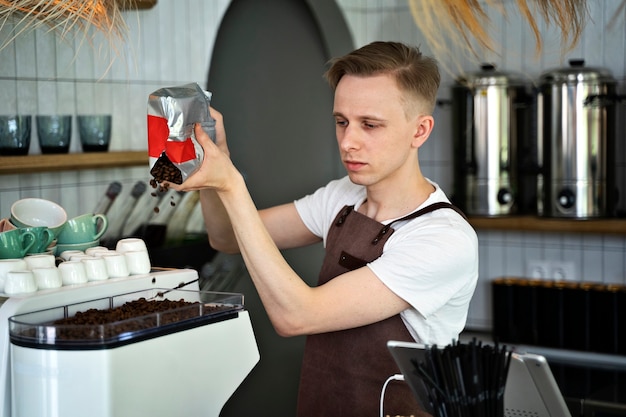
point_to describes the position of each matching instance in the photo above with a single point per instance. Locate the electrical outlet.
(563, 271)
(556, 270)
(538, 269)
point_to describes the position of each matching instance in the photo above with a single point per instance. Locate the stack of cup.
(44, 270)
(136, 254)
(24, 235)
(78, 267)
(82, 232)
(42, 218)
(130, 257)
(8, 266)
(27, 275)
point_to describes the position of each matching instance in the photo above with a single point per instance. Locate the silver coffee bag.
(172, 147)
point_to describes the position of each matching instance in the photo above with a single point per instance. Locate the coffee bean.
(165, 170)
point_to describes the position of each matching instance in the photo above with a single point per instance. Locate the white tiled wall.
(167, 45)
(170, 44)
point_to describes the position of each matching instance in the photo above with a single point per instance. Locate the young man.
(401, 263)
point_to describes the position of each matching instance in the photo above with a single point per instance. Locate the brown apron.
(343, 372)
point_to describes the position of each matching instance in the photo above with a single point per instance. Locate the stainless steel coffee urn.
(576, 114)
(492, 113)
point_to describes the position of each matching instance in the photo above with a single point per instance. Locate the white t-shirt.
(430, 261)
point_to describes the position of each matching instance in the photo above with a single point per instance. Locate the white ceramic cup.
(98, 253)
(20, 282)
(138, 262)
(130, 244)
(7, 265)
(72, 272)
(47, 277)
(78, 256)
(116, 264)
(39, 261)
(96, 268)
(94, 251)
(67, 254)
(38, 212)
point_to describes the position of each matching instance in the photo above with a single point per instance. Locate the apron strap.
(435, 206)
(428, 209)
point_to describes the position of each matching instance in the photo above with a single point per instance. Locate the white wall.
(170, 45)
(167, 45)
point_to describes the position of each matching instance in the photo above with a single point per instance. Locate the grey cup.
(15, 135)
(55, 133)
(95, 132)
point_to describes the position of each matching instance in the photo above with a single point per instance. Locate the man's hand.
(217, 170)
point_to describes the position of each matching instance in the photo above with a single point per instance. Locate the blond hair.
(416, 75)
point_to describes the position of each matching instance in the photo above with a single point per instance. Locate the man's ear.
(424, 125)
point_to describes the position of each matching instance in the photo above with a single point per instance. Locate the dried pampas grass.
(65, 17)
(466, 24)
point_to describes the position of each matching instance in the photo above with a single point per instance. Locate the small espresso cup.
(55, 133)
(72, 272)
(43, 238)
(95, 132)
(40, 260)
(138, 262)
(85, 228)
(66, 255)
(8, 265)
(96, 250)
(130, 244)
(96, 268)
(14, 135)
(15, 243)
(47, 277)
(116, 264)
(20, 282)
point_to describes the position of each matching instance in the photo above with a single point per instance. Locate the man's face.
(375, 137)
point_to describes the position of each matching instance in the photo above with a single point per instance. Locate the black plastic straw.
(465, 380)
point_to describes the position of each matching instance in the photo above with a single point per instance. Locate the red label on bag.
(158, 132)
(179, 152)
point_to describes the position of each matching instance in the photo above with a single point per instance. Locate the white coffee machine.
(187, 368)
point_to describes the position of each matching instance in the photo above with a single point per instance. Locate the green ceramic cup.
(14, 244)
(85, 228)
(43, 238)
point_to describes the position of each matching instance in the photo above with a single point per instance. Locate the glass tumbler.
(55, 133)
(14, 135)
(95, 132)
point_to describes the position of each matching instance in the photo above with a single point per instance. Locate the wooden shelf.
(101, 160)
(29, 164)
(550, 225)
